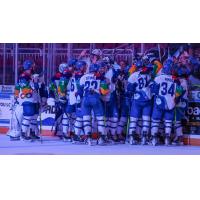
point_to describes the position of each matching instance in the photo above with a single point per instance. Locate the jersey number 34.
(166, 88)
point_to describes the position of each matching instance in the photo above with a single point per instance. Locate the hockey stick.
(128, 121)
(41, 139)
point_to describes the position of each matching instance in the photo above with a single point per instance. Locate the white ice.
(54, 146)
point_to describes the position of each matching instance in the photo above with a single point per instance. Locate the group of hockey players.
(139, 104)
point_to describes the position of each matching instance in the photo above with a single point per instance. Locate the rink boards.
(47, 117)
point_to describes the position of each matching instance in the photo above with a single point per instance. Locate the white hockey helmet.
(97, 52)
(106, 59)
(62, 67)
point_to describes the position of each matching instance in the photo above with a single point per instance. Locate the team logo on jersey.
(29, 95)
(158, 101)
(137, 96)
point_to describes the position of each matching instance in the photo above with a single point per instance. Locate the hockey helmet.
(93, 68)
(80, 67)
(108, 60)
(72, 62)
(62, 67)
(28, 64)
(139, 64)
(97, 52)
(102, 67)
(168, 67)
(182, 71)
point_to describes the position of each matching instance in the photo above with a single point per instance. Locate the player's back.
(142, 80)
(73, 89)
(167, 91)
(90, 83)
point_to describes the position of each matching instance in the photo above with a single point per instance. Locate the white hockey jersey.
(90, 83)
(142, 81)
(72, 90)
(167, 91)
(109, 76)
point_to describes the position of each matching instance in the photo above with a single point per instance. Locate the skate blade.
(166, 145)
(26, 140)
(154, 144)
(67, 140)
(78, 143)
(144, 143)
(133, 142)
(177, 144)
(108, 143)
(36, 140)
(14, 139)
(112, 142)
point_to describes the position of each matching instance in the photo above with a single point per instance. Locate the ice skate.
(14, 138)
(114, 139)
(178, 141)
(167, 141)
(33, 136)
(144, 140)
(24, 137)
(88, 141)
(161, 139)
(76, 139)
(132, 140)
(66, 138)
(154, 141)
(102, 140)
(121, 138)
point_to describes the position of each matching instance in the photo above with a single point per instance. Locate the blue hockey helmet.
(182, 71)
(72, 62)
(139, 64)
(80, 65)
(93, 68)
(27, 65)
(168, 67)
(103, 66)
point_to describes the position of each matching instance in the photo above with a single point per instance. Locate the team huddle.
(139, 104)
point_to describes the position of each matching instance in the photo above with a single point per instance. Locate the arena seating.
(34, 51)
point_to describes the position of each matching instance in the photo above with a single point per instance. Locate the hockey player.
(71, 110)
(90, 90)
(124, 97)
(139, 84)
(63, 99)
(166, 89)
(40, 96)
(53, 93)
(71, 64)
(182, 72)
(16, 119)
(24, 95)
(93, 58)
(16, 110)
(109, 99)
(74, 107)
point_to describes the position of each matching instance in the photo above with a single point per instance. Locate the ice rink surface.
(54, 146)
